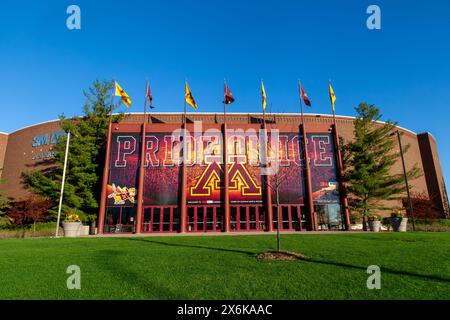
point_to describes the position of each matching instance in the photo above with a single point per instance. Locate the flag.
(228, 97)
(304, 96)
(119, 92)
(263, 95)
(332, 95)
(189, 98)
(148, 96)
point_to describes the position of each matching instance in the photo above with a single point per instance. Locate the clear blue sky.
(403, 69)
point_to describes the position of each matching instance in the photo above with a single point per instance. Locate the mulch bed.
(282, 256)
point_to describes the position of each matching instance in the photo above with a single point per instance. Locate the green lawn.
(414, 266)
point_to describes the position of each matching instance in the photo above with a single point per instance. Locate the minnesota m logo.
(211, 180)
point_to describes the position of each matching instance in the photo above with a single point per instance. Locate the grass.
(413, 266)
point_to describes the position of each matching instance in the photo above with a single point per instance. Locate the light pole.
(406, 180)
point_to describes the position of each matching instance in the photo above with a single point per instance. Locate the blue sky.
(403, 68)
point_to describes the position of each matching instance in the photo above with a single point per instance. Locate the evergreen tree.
(86, 157)
(368, 161)
(5, 204)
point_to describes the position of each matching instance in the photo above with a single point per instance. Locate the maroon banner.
(205, 168)
(122, 183)
(323, 168)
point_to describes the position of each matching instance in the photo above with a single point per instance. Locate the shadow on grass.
(383, 269)
(121, 271)
(249, 253)
(310, 260)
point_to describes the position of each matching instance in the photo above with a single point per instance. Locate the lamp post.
(406, 180)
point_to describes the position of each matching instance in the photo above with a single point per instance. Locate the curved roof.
(228, 113)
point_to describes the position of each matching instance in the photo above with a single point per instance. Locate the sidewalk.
(207, 234)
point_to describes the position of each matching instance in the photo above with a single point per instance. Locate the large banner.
(323, 168)
(205, 169)
(290, 174)
(205, 177)
(124, 169)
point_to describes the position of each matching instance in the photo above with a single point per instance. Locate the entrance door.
(290, 216)
(160, 219)
(247, 218)
(120, 220)
(204, 218)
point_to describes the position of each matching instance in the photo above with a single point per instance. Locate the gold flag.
(263, 95)
(119, 92)
(189, 98)
(332, 95)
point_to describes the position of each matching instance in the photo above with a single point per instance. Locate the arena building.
(169, 195)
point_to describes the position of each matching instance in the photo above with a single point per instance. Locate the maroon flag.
(148, 96)
(304, 96)
(228, 97)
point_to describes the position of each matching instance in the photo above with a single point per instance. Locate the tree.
(445, 200)
(368, 160)
(275, 182)
(424, 207)
(31, 210)
(85, 160)
(5, 204)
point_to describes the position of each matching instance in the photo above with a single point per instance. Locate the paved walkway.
(207, 234)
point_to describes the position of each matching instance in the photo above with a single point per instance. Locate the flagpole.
(264, 116)
(301, 104)
(140, 197)
(340, 169)
(268, 195)
(102, 209)
(62, 184)
(183, 173)
(309, 191)
(226, 200)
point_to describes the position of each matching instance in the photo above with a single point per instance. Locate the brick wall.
(3, 144)
(20, 153)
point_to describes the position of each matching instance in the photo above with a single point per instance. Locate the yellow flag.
(119, 92)
(263, 95)
(332, 95)
(189, 98)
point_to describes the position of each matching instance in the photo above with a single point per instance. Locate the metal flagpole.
(405, 176)
(340, 169)
(183, 210)
(309, 198)
(268, 192)
(227, 218)
(140, 197)
(102, 209)
(62, 184)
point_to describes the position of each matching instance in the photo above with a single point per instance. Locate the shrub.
(397, 214)
(423, 206)
(436, 225)
(33, 209)
(373, 217)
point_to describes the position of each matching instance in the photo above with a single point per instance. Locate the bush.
(373, 217)
(396, 214)
(31, 210)
(42, 229)
(436, 225)
(424, 207)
